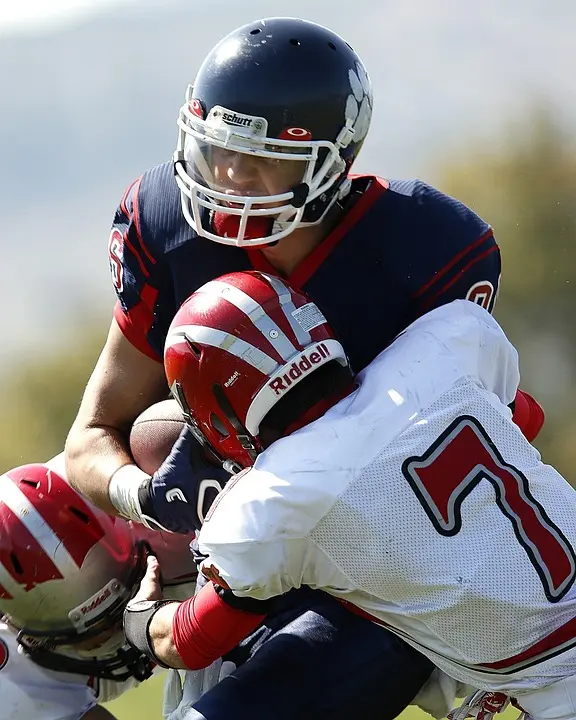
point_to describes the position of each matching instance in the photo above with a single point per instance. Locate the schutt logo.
(233, 119)
(299, 367)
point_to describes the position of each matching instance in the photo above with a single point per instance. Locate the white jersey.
(30, 691)
(418, 501)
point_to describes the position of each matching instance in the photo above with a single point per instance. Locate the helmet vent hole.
(331, 45)
(295, 42)
(194, 348)
(255, 31)
(218, 425)
(79, 514)
(31, 483)
(16, 564)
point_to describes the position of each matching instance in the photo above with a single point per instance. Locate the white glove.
(182, 688)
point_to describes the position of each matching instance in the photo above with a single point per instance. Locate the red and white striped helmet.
(67, 570)
(233, 350)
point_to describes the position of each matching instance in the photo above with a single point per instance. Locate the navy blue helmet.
(269, 130)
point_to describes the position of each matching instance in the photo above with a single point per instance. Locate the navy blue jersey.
(402, 249)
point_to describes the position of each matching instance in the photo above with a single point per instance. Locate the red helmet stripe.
(284, 344)
(77, 544)
(36, 566)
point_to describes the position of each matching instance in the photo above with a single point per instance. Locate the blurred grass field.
(145, 703)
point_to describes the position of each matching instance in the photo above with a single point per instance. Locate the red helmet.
(233, 350)
(67, 570)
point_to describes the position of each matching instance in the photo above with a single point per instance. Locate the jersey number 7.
(452, 467)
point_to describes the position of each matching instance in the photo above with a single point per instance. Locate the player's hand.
(150, 585)
(179, 494)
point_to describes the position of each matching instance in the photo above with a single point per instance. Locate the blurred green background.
(478, 99)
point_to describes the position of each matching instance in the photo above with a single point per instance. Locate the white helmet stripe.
(287, 304)
(256, 313)
(289, 375)
(230, 343)
(19, 504)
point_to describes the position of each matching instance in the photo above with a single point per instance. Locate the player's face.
(232, 172)
(239, 173)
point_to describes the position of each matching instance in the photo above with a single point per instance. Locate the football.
(153, 434)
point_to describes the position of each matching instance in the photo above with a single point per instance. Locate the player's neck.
(289, 252)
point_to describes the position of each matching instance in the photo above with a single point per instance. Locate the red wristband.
(205, 628)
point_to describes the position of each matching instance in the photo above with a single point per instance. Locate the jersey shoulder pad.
(441, 249)
(399, 218)
(150, 215)
(435, 212)
(162, 222)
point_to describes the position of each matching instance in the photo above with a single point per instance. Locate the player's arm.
(123, 384)
(128, 378)
(194, 633)
(129, 374)
(245, 578)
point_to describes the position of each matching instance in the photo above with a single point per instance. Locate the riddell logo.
(233, 119)
(299, 368)
(96, 602)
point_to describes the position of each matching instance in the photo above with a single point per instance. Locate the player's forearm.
(93, 455)
(123, 383)
(195, 633)
(162, 637)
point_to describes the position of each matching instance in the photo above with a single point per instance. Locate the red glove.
(528, 415)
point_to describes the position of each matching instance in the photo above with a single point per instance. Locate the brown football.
(153, 434)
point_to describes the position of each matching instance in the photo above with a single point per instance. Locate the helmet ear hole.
(16, 563)
(194, 348)
(218, 425)
(32, 483)
(79, 514)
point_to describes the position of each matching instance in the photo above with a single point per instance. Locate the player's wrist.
(124, 491)
(138, 621)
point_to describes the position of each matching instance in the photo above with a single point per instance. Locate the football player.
(407, 492)
(262, 179)
(66, 572)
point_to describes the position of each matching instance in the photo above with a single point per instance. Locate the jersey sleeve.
(136, 277)
(251, 540)
(260, 571)
(484, 350)
(465, 342)
(498, 366)
(457, 254)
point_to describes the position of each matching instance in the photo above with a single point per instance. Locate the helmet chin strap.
(227, 225)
